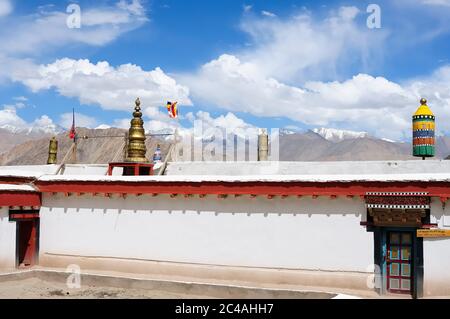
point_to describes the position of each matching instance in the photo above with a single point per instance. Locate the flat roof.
(428, 170)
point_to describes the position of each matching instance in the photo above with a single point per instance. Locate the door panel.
(26, 242)
(399, 262)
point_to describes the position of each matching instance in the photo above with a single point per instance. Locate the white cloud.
(113, 88)
(302, 47)
(20, 98)
(272, 79)
(445, 3)
(45, 30)
(42, 121)
(348, 13)
(135, 7)
(10, 120)
(5, 8)
(228, 121)
(247, 7)
(152, 126)
(268, 14)
(229, 84)
(9, 117)
(81, 120)
(17, 105)
(364, 102)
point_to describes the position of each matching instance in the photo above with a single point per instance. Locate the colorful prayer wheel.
(423, 131)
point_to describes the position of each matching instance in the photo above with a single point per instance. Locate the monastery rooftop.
(429, 170)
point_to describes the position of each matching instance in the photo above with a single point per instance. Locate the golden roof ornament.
(136, 137)
(52, 151)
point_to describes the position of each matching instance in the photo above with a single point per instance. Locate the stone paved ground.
(35, 288)
(28, 284)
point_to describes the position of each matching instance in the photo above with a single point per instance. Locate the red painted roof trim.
(439, 189)
(17, 198)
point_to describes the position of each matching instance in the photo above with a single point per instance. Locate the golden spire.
(136, 137)
(52, 151)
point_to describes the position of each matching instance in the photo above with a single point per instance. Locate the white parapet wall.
(436, 253)
(7, 240)
(291, 233)
(355, 168)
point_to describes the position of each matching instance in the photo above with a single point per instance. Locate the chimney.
(263, 146)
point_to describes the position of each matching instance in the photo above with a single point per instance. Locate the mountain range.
(105, 144)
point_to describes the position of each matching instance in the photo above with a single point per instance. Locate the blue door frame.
(380, 237)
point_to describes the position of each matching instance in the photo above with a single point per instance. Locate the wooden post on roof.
(74, 151)
(125, 148)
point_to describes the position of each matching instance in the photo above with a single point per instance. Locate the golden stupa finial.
(136, 137)
(52, 151)
(423, 101)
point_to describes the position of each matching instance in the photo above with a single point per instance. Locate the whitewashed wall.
(294, 233)
(7, 240)
(437, 253)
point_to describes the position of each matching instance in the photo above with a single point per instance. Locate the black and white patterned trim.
(24, 207)
(397, 193)
(398, 206)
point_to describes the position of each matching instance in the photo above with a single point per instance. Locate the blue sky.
(235, 64)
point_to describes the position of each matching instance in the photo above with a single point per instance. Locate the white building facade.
(357, 225)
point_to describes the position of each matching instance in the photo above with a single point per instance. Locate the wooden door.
(26, 242)
(399, 262)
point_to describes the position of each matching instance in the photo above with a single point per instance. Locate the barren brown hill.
(103, 145)
(311, 146)
(100, 147)
(10, 139)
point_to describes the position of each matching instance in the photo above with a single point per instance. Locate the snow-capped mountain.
(285, 131)
(336, 135)
(103, 127)
(48, 128)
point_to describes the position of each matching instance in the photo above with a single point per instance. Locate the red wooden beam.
(434, 189)
(24, 216)
(20, 199)
(429, 225)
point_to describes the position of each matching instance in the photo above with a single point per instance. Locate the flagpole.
(175, 148)
(74, 148)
